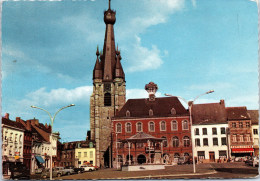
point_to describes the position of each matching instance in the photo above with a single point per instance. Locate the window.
(107, 99)
(205, 142)
(201, 155)
(162, 126)
(91, 154)
(127, 113)
(165, 143)
(139, 127)
(215, 141)
(119, 144)
(222, 154)
(204, 131)
(119, 128)
(151, 126)
(233, 125)
(255, 131)
(223, 141)
(120, 158)
(173, 111)
(256, 141)
(175, 141)
(234, 138)
(241, 138)
(247, 138)
(197, 131)
(186, 141)
(214, 131)
(223, 130)
(79, 162)
(185, 125)
(247, 124)
(174, 125)
(197, 142)
(186, 154)
(240, 125)
(128, 127)
(79, 154)
(150, 112)
(85, 154)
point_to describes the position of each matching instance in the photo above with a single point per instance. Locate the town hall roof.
(160, 107)
(209, 113)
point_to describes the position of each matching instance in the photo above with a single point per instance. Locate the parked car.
(88, 168)
(20, 171)
(79, 170)
(39, 170)
(249, 161)
(68, 170)
(56, 172)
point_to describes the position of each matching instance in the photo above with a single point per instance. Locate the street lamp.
(52, 120)
(190, 104)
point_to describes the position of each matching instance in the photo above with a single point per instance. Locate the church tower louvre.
(108, 95)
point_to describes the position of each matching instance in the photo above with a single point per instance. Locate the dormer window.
(150, 112)
(173, 111)
(127, 113)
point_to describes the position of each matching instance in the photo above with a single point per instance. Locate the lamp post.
(52, 120)
(190, 104)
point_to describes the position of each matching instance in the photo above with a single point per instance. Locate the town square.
(117, 89)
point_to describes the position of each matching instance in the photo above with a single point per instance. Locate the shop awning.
(242, 150)
(40, 159)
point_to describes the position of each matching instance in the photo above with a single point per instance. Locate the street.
(207, 170)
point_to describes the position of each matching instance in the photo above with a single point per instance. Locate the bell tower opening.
(107, 99)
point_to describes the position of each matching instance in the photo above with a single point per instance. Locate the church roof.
(161, 107)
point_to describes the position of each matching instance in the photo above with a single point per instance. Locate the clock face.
(107, 87)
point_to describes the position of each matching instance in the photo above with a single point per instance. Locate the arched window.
(175, 141)
(119, 128)
(186, 154)
(128, 127)
(107, 99)
(186, 141)
(185, 125)
(127, 113)
(151, 126)
(173, 111)
(150, 112)
(139, 127)
(165, 143)
(174, 125)
(162, 126)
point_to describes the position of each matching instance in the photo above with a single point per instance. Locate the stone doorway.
(141, 159)
(212, 156)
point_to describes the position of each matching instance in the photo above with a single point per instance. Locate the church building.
(108, 95)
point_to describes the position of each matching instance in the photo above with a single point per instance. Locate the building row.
(158, 130)
(32, 143)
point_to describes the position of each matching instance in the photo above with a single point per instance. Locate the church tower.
(108, 95)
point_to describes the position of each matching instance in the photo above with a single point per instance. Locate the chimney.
(222, 102)
(46, 126)
(6, 115)
(28, 124)
(151, 88)
(18, 119)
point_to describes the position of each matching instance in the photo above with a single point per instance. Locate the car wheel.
(68, 173)
(44, 176)
(90, 170)
(58, 174)
(78, 171)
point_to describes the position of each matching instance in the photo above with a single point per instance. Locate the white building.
(12, 143)
(254, 116)
(209, 132)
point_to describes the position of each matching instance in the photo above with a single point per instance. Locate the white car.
(88, 168)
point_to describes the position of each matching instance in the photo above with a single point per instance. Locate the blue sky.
(186, 47)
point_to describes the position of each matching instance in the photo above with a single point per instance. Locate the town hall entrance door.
(212, 156)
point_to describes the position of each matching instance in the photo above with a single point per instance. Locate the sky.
(186, 47)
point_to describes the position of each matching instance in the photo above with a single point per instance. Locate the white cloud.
(194, 3)
(143, 58)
